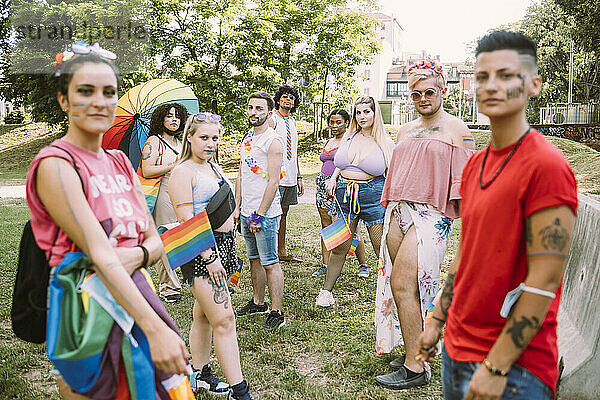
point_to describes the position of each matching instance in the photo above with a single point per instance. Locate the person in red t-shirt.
(519, 199)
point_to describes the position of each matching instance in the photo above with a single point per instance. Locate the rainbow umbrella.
(132, 122)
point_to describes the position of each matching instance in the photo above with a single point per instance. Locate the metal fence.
(570, 113)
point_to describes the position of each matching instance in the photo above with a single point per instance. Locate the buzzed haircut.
(505, 40)
(265, 96)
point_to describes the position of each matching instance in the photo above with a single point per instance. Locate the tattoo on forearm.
(554, 236)
(447, 295)
(146, 154)
(516, 330)
(220, 293)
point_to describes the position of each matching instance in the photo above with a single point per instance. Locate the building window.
(367, 74)
(397, 89)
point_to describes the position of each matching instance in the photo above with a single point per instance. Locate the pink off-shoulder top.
(426, 171)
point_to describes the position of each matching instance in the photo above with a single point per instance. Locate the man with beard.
(290, 187)
(258, 208)
(421, 199)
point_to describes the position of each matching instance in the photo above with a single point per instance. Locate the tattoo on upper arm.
(516, 330)
(220, 293)
(447, 294)
(554, 236)
(146, 154)
(548, 254)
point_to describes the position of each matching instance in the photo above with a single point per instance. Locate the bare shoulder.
(181, 172)
(461, 135)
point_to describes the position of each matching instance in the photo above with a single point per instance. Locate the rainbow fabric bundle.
(354, 244)
(150, 188)
(186, 241)
(336, 233)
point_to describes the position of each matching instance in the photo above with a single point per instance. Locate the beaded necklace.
(251, 162)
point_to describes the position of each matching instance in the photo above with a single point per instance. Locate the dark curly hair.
(287, 89)
(158, 117)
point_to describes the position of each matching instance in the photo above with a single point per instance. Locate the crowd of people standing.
(517, 200)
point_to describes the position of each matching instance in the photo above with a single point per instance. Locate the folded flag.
(336, 233)
(179, 387)
(235, 277)
(354, 244)
(186, 241)
(433, 301)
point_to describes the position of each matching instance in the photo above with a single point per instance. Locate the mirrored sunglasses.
(204, 116)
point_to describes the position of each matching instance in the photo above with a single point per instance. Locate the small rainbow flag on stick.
(336, 233)
(186, 241)
(235, 277)
(354, 244)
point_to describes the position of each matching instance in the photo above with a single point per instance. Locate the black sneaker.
(274, 320)
(210, 383)
(397, 380)
(171, 298)
(252, 308)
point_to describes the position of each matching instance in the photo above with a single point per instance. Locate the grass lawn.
(319, 354)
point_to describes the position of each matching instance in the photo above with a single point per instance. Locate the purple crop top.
(326, 158)
(373, 165)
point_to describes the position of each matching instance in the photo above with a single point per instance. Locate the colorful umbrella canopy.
(132, 122)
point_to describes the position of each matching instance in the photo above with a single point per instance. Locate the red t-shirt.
(494, 259)
(108, 185)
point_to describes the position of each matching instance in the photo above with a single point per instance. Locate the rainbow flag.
(336, 233)
(186, 241)
(432, 303)
(354, 244)
(468, 138)
(150, 187)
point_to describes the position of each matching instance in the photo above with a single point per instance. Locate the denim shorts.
(371, 211)
(262, 244)
(521, 384)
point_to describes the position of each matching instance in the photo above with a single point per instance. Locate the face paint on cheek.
(75, 115)
(516, 92)
(78, 105)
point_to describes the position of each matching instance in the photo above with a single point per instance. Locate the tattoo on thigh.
(447, 294)
(146, 154)
(220, 294)
(554, 236)
(516, 92)
(516, 330)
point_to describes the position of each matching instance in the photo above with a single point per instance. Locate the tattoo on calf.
(554, 236)
(447, 294)
(146, 154)
(220, 294)
(516, 330)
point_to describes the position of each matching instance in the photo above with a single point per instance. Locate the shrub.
(14, 117)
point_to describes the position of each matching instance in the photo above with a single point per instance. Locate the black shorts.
(289, 195)
(226, 248)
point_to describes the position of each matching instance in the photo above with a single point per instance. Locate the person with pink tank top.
(83, 197)
(356, 184)
(421, 200)
(338, 121)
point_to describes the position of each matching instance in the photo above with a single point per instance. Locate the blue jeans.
(521, 383)
(262, 244)
(368, 196)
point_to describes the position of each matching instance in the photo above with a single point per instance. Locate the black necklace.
(487, 151)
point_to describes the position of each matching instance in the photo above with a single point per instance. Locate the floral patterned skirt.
(433, 233)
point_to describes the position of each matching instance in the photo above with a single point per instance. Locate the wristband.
(493, 370)
(299, 177)
(256, 218)
(443, 321)
(146, 255)
(211, 259)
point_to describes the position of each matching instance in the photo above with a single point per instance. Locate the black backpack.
(30, 292)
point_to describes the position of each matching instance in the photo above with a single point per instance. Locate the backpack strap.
(167, 144)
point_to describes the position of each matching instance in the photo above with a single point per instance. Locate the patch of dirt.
(45, 382)
(309, 365)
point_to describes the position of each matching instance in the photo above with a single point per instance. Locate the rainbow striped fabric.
(354, 244)
(235, 277)
(186, 241)
(336, 233)
(150, 188)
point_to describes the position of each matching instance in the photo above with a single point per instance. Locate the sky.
(444, 27)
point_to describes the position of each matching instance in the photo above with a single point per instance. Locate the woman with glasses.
(197, 184)
(158, 159)
(356, 184)
(338, 121)
(421, 199)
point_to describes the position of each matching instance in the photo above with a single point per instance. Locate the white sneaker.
(325, 298)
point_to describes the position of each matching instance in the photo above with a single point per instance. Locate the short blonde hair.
(191, 126)
(421, 74)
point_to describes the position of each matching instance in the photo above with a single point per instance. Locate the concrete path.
(16, 191)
